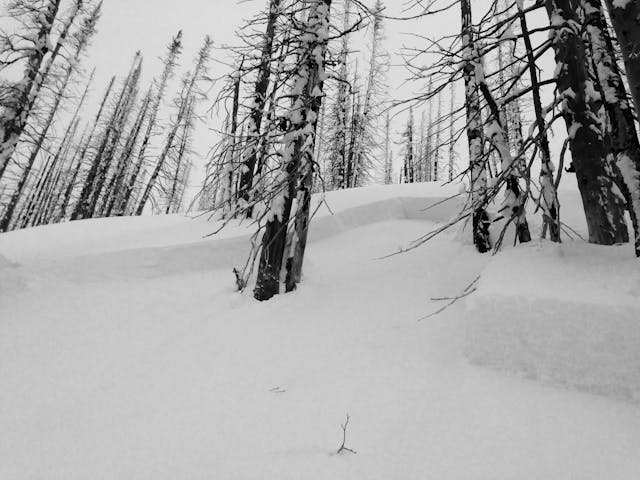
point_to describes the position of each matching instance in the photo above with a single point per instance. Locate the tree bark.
(603, 209)
(250, 155)
(14, 120)
(298, 157)
(624, 144)
(548, 193)
(625, 17)
(480, 219)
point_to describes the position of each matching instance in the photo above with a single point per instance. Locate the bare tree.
(190, 88)
(298, 163)
(32, 46)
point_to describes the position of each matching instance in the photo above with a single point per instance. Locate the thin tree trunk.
(114, 190)
(549, 195)
(7, 218)
(452, 133)
(86, 202)
(188, 90)
(250, 155)
(480, 219)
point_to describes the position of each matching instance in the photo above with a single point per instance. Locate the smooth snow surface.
(126, 354)
(566, 314)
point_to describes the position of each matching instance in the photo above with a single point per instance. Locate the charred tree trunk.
(298, 157)
(624, 143)
(625, 17)
(250, 155)
(603, 209)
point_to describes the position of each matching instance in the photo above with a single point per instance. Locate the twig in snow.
(343, 447)
(469, 289)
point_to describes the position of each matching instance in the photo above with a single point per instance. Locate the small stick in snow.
(471, 288)
(343, 447)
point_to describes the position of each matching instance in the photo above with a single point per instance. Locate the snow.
(125, 353)
(563, 314)
(620, 3)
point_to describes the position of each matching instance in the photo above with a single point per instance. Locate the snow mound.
(567, 315)
(338, 212)
(10, 277)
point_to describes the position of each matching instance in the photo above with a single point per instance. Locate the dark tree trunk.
(624, 143)
(299, 167)
(250, 156)
(603, 209)
(625, 17)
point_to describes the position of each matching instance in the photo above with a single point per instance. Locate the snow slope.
(125, 354)
(565, 314)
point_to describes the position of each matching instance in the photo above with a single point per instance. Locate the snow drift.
(566, 314)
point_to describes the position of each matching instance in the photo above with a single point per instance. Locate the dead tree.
(624, 16)
(169, 64)
(452, 134)
(113, 193)
(15, 114)
(478, 184)
(409, 165)
(388, 159)
(96, 176)
(603, 209)
(251, 150)
(624, 144)
(177, 182)
(279, 249)
(81, 40)
(189, 89)
(548, 192)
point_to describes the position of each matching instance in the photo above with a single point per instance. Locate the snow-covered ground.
(126, 354)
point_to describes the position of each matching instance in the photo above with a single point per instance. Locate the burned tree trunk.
(603, 209)
(624, 144)
(250, 155)
(298, 162)
(625, 16)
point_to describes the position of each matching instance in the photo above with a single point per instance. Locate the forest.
(388, 195)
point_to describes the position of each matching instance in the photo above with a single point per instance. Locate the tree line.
(301, 114)
(280, 143)
(133, 154)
